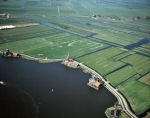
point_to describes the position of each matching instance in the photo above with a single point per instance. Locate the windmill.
(92, 80)
(93, 75)
(67, 58)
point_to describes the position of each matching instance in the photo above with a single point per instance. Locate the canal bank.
(58, 91)
(121, 99)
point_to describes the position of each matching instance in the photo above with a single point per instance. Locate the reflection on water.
(59, 91)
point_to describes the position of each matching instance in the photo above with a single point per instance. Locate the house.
(7, 27)
(115, 113)
(73, 63)
(94, 83)
(69, 62)
(4, 15)
(7, 53)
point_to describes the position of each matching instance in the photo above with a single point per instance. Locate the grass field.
(50, 43)
(121, 75)
(139, 62)
(138, 92)
(18, 34)
(68, 27)
(143, 50)
(145, 79)
(100, 62)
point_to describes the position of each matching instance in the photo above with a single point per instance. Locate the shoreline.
(40, 60)
(26, 107)
(122, 101)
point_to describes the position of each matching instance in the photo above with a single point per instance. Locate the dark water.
(70, 98)
(15, 103)
(138, 44)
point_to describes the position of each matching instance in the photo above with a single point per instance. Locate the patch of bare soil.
(27, 25)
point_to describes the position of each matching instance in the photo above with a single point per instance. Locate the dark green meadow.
(96, 33)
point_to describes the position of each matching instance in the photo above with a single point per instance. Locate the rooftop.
(97, 84)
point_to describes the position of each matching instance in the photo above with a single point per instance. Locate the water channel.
(58, 91)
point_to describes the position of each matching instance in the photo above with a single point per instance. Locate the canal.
(58, 91)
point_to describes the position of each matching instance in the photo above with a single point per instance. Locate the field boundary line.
(114, 91)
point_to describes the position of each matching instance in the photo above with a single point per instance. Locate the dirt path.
(41, 60)
(27, 25)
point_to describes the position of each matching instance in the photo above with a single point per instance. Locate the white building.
(7, 27)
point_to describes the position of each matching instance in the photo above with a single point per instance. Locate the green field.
(49, 42)
(136, 92)
(100, 62)
(145, 79)
(67, 27)
(139, 62)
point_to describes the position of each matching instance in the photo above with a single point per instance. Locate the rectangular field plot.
(56, 2)
(54, 46)
(67, 3)
(63, 24)
(80, 9)
(146, 45)
(24, 45)
(136, 92)
(67, 11)
(31, 3)
(14, 21)
(140, 63)
(116, 36)
(60, 45)
(121, 56)
(142, 50)
(120, 75)
(118, 11)
(99, 61)
(11, 3)
(14, 11)
(94, 10)
(16, 34)
(43, 14)
(44, 3)
(145, 79)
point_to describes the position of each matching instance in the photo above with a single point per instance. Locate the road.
(121, 99)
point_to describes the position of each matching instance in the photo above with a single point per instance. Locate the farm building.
(115, 113)
(70, 63)
(73, 63)
(94, 83)
(7, 53)
(7, 27)
(4, 15)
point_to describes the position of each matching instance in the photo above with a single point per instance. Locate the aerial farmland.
(111, 37)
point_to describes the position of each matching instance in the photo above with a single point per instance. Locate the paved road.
(120, 98)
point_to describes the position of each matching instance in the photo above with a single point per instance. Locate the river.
(58, 91)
